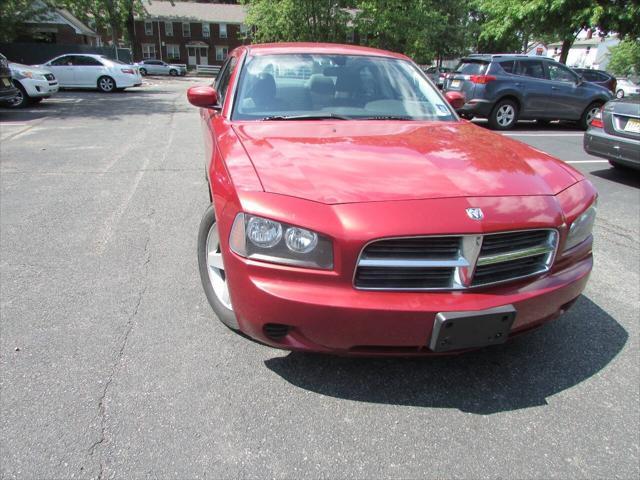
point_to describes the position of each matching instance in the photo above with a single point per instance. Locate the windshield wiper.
(386, 117)
(327, 116)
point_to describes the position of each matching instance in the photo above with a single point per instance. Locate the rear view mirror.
(455, 99)
(203, 96)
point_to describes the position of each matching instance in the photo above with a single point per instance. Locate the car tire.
(504, 115)
(143, 72)
(36, 100)
(173, 72)
(212, 277)
(588, 114)
(106, 84)
(618, 165)
(22, 99)
(620, 94)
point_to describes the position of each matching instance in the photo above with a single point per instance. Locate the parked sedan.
(614, 133)
(599, 77)
(437, 75)
(508, 88)
(94, 71)
(353, 212)
(33, 83)
(158, 67)
(7, 90)
(627, 88)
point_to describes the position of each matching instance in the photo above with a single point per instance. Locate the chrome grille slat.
(454, 262)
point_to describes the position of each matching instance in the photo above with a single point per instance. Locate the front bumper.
(39, 88)
(326, 313)
(622, 150)
(7, 93)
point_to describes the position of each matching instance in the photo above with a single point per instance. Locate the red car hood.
(362, 161)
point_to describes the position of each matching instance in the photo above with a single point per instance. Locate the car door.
(87, 70)
(165, 68)
(62, 68)
(531, 80)
(568, 97)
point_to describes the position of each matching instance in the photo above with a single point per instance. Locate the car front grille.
(454, 262)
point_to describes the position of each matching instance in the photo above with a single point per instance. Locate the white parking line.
(515, 134)
(3, 124)
(587, 161)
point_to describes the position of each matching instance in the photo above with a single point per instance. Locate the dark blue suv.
(508, 88)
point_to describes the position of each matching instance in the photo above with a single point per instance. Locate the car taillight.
(127, 70)
(596, 121)
(482, 79)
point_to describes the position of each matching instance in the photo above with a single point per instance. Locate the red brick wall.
(232, 41)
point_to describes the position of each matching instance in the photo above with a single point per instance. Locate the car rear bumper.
(7, 93)
(343, 320)
(477, 107)
(623, 150)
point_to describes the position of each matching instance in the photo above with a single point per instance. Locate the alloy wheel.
(215, 268)
(106, 84)
(591, 114)
(18, 100)
(505, 115)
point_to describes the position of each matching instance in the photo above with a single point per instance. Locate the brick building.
(188, 32)
(56, 26)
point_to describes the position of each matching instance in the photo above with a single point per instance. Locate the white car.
(625, 87)
(158, 67)
(94, 71)
(33, 84)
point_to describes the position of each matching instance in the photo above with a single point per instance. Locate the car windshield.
(345, 87)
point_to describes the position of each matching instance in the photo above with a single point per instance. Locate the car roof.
(320, 48)
(488, 57)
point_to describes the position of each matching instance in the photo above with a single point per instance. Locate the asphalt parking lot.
(112, 364)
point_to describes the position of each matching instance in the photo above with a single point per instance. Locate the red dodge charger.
(353, 212)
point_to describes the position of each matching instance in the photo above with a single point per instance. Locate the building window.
(243, 29)
(173, 52)
(223, 30)
(148, 27)
(168, 29)
(221, 53)
(186, 29)
(206, 31)
(148, 51)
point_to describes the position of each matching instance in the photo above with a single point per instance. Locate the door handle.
(554, 88)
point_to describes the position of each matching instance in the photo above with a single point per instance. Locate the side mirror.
(455, 99)
(203, 96)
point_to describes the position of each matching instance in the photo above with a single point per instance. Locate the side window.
(62, 61)
(530, 68)
(508, 66)
(222, 82)
(86, 61)
(560, 73)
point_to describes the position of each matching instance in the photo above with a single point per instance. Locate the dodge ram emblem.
(475, 213)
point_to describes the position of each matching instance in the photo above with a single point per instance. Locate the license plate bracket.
(460, 330)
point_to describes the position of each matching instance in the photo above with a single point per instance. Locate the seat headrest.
(321, 85)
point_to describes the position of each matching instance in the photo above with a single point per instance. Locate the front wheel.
(173, 73)
(212, 272)
(143, 72)
(589, 113)
(620, 93)
(21, 100)
(106, 84)
(504, 115)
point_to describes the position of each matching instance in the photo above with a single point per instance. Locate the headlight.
(264, 239)
(581, 228)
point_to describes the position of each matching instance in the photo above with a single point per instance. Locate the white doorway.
(191, 52)
(204, 56)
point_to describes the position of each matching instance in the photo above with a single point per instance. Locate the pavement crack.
(117, 363)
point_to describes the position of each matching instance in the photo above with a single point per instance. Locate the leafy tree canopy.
(625, 58)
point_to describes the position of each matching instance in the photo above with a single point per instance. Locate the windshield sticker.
(442, 109)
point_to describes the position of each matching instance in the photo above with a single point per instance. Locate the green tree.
(13, 14)
(562, 19)
(625, 58)
(110, 18)
(297, 20)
